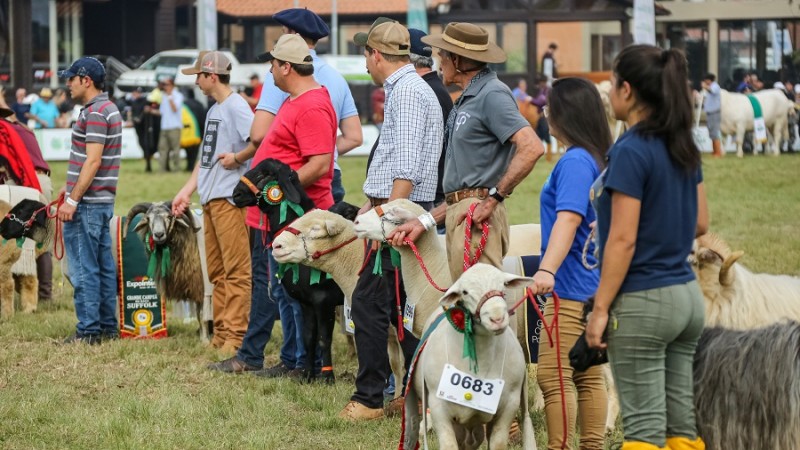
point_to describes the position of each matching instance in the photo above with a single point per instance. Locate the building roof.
(266, 8)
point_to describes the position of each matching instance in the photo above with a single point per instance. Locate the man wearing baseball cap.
(403, 165)
(302, 136)
(310, 27)
(227, 133)
(88, 206)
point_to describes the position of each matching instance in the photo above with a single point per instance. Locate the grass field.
(158, 394)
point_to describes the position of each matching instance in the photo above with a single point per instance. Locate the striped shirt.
(410, 142)
(99, 122)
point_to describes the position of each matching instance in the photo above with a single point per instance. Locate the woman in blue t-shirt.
(577, 119)
(651, 204)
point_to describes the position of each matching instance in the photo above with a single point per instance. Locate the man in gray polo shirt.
(491, 148)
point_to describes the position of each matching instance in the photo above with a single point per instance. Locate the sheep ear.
(516, 282)
(726, 273)
(333, 227)
(451, 296)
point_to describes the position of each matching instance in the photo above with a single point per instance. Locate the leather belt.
(455, 197)
(377, 201)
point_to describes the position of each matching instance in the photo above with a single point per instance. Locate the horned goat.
(177, 246)
(477, 318)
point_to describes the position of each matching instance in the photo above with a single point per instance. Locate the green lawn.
(158, 394)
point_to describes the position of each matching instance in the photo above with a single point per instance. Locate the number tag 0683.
(468, 390)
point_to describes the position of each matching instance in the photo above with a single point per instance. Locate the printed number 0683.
(469, 383)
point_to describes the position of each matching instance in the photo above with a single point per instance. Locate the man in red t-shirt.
(303, 136)
(256, 85)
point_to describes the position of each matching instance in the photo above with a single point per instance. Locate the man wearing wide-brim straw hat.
(491, 148)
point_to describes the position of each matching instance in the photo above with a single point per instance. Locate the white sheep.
(497, 371)
(737, 298)
(326, 241)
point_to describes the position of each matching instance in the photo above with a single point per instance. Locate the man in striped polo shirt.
(89, 202)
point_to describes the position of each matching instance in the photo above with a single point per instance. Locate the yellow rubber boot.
(682, 443)
(634, 445)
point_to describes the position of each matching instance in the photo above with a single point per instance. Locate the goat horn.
(188, 216)
(726, 273)
(139, 208)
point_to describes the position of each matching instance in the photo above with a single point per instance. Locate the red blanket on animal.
(14, 156)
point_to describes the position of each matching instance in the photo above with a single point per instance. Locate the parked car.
(169, 63)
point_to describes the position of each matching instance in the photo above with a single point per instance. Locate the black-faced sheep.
(175, 246)
(27, 219)
(274, 187)
(458, 389)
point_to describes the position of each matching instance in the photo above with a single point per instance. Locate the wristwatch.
(495, 194)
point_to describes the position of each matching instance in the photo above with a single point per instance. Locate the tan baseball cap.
(390, 38)
(290, 48)
(210, 62)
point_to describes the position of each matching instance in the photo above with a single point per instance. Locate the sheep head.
(317, 230)
(379, 222)
(21, 223)
(159, 221)
(712, 261)
(481, 291)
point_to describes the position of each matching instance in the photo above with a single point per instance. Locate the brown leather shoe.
(394, 407)
(356, 412)
(232, 365)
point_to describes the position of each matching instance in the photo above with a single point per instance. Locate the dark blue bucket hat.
(304, 22)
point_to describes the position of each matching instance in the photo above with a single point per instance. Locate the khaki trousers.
(228, 259)
(169, 148)
(496, 245)
(590, 403)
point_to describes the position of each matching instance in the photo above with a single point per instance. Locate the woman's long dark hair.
(659, 80)
(576, 111)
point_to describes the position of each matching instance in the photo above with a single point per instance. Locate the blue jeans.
(92, 269)
(337, 189)
(293, 352)
(263, 308)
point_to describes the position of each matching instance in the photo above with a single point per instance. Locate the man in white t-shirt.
(169, 142)
(227, 133)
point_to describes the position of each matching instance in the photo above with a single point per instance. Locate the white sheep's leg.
(613, 399)
(28, 293)
(740, 140)
(396, 361)
(442, 424)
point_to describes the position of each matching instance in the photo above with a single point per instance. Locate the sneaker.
(356, 412)
(109, 335)
(277, 371)
(232, 365)
(90, 339)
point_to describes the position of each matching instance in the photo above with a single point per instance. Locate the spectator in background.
(377, 100)
(256, 86)
(64, 105)
(170, 109)
(199, 112)
(44, 111)
(712, 105)
(549, 65)
(755, 82)
(20, 108)
(745, 87)
(540, 100)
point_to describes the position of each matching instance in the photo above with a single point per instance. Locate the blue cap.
(304, 22)
(417, 46)
(85, 67)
